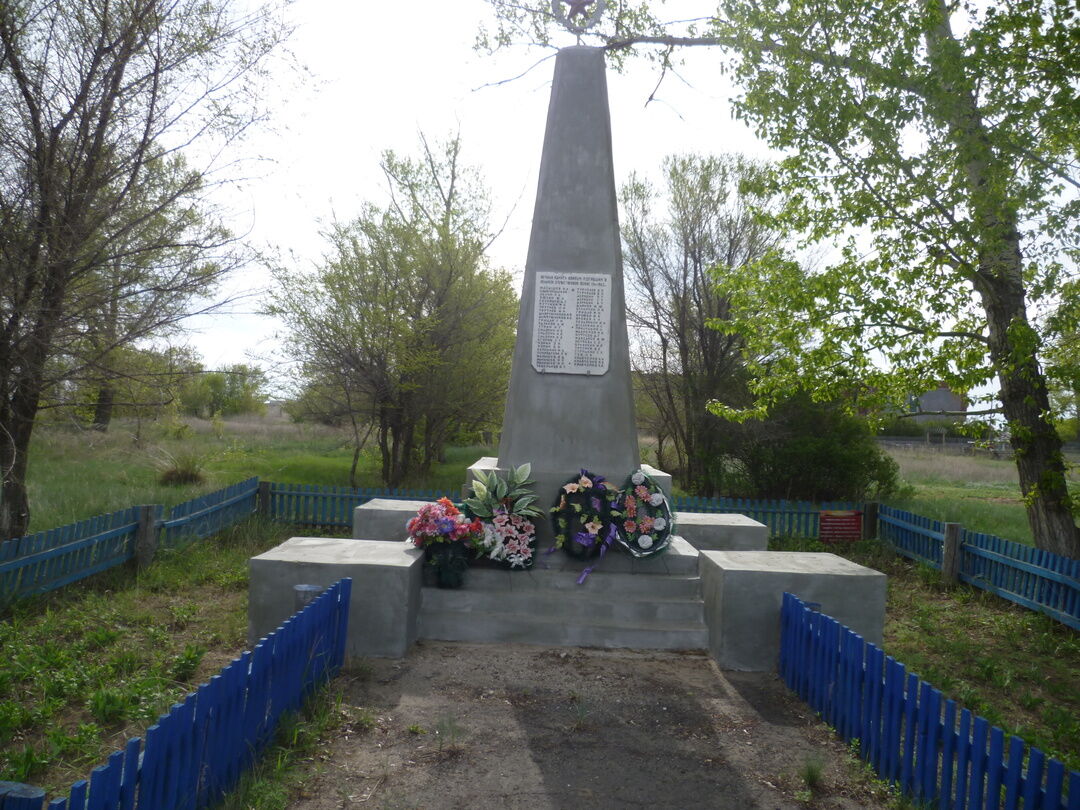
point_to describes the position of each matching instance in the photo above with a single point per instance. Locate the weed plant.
(93, 664)
(1013, 666)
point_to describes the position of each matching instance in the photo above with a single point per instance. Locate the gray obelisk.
(571, 403)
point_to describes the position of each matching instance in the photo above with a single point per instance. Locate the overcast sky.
(378, 73)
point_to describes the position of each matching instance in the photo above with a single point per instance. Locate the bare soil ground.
(512, 726)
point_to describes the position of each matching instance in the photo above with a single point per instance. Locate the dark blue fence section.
(915, 739)
(197, 752)
(914, 536)
(333, 506)
(48, 560)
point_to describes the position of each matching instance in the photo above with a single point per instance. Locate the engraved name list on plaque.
(572, 323)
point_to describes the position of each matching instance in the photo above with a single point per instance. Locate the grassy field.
(978, 492)
(88, 667)
(124, 472)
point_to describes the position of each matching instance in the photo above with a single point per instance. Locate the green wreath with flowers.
(584, 515)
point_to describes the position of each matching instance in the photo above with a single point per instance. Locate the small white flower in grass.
(656, 498)
(659, 524)
(645, 541)
(638, 478)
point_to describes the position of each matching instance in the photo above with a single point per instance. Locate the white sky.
(383, 71)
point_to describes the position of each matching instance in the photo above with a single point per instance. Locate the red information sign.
(837, 526)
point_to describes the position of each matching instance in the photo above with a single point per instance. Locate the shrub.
(814, 451)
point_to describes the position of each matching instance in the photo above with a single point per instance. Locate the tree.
(703, 225)
(946, 132)
(99, 212)
(404, 328)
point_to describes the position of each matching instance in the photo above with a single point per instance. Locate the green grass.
(89, 666)
(982, 494)
(77, 474)
(1013, 666)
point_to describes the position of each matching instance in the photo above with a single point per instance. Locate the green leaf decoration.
(523, 472)
(480, 489)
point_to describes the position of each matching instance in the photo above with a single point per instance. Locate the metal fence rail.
(912, 737)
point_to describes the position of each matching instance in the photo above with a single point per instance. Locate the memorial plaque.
(572, 323)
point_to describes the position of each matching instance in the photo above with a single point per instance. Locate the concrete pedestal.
(743, 591)
(713, 532)
(384, 519)
(385, 592)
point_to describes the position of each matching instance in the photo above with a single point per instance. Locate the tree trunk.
(15, 432)
(103, 407)
(1040, 462)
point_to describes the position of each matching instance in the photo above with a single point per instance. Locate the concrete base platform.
(743, 591)
(716, 532)
(385, 593)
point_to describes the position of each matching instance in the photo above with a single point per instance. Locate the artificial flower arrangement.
(442, 522)
(647, 521)
(446, 535)
(584, 516)
(505, 508)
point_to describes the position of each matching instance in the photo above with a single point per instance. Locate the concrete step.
(654, 610)
(558, 632)
(612, 586)
(572, 606)
(679, 558)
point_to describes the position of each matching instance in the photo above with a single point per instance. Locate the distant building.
(941, 398)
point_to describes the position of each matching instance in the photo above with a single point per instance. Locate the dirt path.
(488, 726)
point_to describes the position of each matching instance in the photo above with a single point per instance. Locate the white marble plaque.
(572, 323)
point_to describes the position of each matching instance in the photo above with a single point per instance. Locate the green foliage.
(184, 666)
(813, 451)
(180, 468)
(108, 706)
(423, 353)
(514, 494)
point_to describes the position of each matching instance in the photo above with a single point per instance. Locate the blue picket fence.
(935, 753)
(52, 559)
(198, 750)
(1039, 580)
(786, 518)
(49, 560)
(209, 514)
(329, 506)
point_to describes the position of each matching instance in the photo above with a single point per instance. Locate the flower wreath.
(584, 514)
(648, 522)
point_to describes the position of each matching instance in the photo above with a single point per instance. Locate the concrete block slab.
(385, 593)
(713, 532)
(384, 519)
(743, 591)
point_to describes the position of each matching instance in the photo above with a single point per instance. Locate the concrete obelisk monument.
(571, 403)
